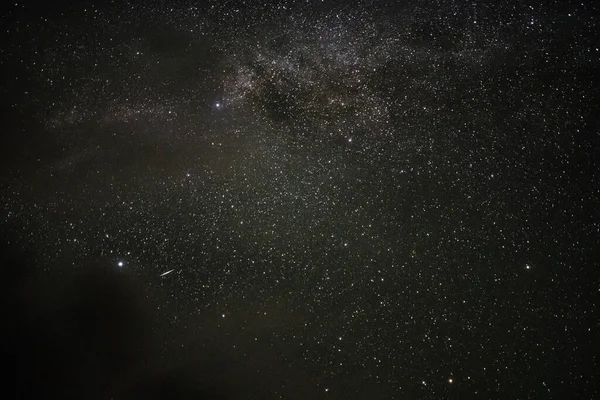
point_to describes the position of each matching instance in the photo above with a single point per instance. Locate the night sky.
(300, 199)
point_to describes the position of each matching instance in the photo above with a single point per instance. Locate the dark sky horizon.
(301, 199)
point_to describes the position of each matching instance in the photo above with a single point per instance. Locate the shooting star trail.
(167, 273)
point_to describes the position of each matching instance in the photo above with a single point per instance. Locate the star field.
(366, 200)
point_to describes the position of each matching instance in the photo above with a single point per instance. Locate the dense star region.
(301, 199)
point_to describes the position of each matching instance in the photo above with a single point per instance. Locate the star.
(364, 177)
